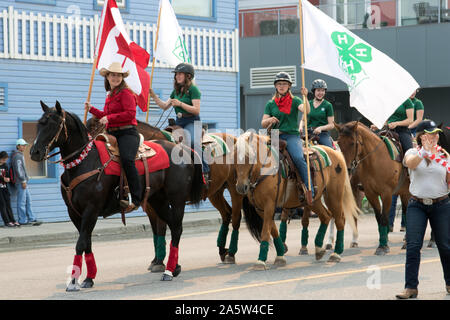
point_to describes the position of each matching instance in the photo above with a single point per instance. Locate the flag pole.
(305, 118)
(94, 64)
(153, 62)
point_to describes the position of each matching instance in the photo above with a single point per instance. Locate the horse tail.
(351, 209)
(253, 220)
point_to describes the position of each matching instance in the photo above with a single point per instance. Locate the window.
(195, 8)
(49, 2)
(38, 171)
(120, 3)
(3, 97)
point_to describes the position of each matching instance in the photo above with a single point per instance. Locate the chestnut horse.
(90, 193)
(221, 176)
(368, 157)
(260, 179)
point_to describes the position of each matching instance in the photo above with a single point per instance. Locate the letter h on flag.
(114, 45)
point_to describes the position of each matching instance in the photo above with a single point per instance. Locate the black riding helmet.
(318, 84)
(282, 76)
(185, 68)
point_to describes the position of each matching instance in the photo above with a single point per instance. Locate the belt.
(184, 115)
(121, 128)
(429, 202)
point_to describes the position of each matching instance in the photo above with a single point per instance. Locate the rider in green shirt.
(418, 112)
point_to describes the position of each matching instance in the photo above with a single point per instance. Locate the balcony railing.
(354, 14)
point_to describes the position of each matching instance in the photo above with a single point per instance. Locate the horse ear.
(440, 125)
(338, 126)
(58, 107)
(44, 107)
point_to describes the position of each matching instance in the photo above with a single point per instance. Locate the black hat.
(282, 76)
(427, 126)
(185, 68)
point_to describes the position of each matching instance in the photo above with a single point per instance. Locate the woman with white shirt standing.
(429, 169)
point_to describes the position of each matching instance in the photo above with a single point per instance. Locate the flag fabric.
(114, 45)
(377, 84)
(170, 47)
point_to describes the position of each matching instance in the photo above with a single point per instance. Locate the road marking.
(269, 283)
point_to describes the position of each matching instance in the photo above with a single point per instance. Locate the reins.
(355, 162)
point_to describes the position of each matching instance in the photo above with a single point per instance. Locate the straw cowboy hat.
(114, 67)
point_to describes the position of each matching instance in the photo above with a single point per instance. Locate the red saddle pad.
(159, 161)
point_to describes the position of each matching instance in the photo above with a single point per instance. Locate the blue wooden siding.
(30, 81)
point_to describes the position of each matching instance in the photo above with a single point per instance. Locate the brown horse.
(260, 179)
(221, 176)
(368, 159)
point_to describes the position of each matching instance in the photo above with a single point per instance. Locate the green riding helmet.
(318, 84)
(185, 68)
(282, 76)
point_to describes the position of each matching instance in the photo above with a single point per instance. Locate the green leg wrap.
(222, 237)
(320, 235)
(339, 248)
(305, 235)
(234, 242)
(263, 250)
(283, 231)
(279, 246)
(160, 248)
(383, 231)
(155, 242)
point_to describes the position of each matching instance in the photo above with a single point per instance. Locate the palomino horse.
(260, 179)
(221, 176)
(369, 160)
(90, 192)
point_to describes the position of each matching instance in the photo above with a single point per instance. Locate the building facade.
(46, 53)
(414, 33)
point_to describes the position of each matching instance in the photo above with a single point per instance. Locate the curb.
(96, 234)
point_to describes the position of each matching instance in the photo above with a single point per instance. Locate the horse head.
(348, 141)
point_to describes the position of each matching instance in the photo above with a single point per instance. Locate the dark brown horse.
(369, 161)
(260, 179)
(221, 177)
(89, 193)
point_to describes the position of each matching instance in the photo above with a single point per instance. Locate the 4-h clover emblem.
(351, 54)
(180, 51)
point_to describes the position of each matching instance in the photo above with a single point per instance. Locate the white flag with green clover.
(377, 84)
(170, 48)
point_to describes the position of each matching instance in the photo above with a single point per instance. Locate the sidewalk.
(60, 231)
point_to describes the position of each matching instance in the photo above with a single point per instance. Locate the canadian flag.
(114, 45)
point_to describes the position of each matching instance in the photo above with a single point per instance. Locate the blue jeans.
(195, 141)
(416, 224)
(24, 210)
(392, 212)
(295, 149)
(325, 139)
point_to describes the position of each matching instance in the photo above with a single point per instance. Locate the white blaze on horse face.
(245, 149)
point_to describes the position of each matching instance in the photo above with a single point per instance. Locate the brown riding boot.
(407, 294)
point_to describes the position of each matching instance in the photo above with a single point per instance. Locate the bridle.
(62, 126)
(355, 162)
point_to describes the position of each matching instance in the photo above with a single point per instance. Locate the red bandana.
(284, 103)
(439, 157)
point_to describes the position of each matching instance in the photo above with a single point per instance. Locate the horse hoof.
(223, 253)
(329, 246)
(259, 266)
(177, 270)
(334, 257)
(280, 261)
(73, 286)
(167, 276)
(157, 267)
(386, 249)
(285, 248)
(354, 245)
(303, 252)
(229, 260)
(87, 283)
(381, 251)
(430, 244)
(320, 252)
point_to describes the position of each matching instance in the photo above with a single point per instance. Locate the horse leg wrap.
(234, 242)
(279, 246)
(263, 250)
(77, 266)
(320, 235)
(91, 265)
(339, 248)
(305, 235)
(222, 237)
(160, 248)
(283, 231)
(383, 231)
(173, 258)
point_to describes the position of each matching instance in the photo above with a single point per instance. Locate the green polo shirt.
(400, 113)
(288, 122)
(192, 94)
(418, 105)
(319, 116)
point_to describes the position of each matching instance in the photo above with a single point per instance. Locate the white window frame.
(120, 3)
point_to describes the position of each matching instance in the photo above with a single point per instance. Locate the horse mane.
(348, 129)
(147, 125)
(79, 124)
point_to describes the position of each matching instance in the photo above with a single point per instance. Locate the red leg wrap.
(77, 265)
(173, 258)
(91, 266)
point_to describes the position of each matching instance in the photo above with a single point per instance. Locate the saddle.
(144, 151)
(392, 141)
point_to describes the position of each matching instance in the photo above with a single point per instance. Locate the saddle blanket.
(323, 155)
(215, 144)
(159, 161)
(394, 153)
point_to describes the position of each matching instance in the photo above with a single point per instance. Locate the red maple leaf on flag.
(124, 48)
